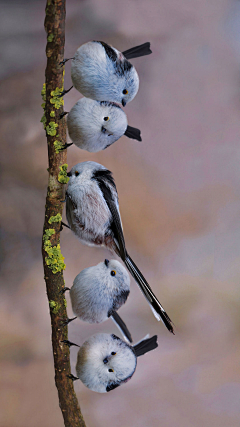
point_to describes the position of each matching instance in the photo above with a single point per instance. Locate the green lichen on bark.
(51, 128)
(50, 38)
(55, 100)
(62, 176)
(54, 306)
(58, 146)
(56, 218)
(54, 260)
(43, 94)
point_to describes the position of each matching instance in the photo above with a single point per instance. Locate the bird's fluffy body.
(95, 358)
(101, 72)
(86, 209)
(96, 292)
(94, 125)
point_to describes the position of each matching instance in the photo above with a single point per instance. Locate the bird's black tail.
(133, 133)
(121, 325)
(145, 345)
(156, 307)
(137, 51)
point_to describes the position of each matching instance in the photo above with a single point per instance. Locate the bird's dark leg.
(62, 63)
(71, 376)
(63, 223)
(65, 322)
(64, 92)
(63, 114)
(65, 146)
(64, 290)
(69, 343)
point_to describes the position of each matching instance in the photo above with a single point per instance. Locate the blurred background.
(179, 199)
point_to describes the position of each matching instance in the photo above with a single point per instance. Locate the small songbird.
(92, 212)
(104, 361)
(101, 72)
(95, 125)
(99, 291)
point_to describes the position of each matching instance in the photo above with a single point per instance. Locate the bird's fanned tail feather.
(137, 51)
(157, 308)
(145, 345)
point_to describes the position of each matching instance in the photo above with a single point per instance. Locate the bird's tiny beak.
(106, 262)
(123, 102)
(69, 174)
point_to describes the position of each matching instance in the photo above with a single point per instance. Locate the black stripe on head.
(115, 337)
(112, 386)
(109, 104)
(110, 52)
(122, 67)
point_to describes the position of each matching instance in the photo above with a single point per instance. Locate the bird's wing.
(105, 182)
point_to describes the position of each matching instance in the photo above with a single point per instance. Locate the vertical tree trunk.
(53, 260)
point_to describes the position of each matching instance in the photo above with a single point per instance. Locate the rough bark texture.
(52, 259)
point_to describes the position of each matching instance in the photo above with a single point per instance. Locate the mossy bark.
(55, 28)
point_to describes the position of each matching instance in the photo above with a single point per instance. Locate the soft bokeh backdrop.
(179, 198)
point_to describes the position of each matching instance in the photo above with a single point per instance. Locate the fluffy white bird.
(105, 362)
(95, 125)
(99, 291)
(101, 72)
(93, 215)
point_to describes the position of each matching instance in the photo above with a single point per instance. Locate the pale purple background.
(179, 199)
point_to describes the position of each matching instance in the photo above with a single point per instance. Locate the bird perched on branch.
(92, 212)
(101, 72)
(95, 125)
(99, 291)
(105, 362)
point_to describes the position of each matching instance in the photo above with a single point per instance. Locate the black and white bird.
(99, 291)
(93, 215)
(101, 72)
(95, 125)
(105, 362)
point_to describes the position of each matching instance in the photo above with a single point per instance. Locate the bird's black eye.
(76, 173)
(106, 119)
(110, 370)
(113, 273)
(125, 91)
(113, 353)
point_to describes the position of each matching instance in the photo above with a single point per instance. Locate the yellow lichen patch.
(50, 38)
(56, 218)
(54, 306)
(58, 146)
(54, 260)
(55, 100)
(51, 128)
(62, 176)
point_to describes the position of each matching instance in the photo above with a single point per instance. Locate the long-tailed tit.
(99, 291)
(94, 125)
(101, 72)
(105, 362)
(93, 215)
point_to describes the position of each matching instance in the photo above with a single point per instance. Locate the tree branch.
(53, 260)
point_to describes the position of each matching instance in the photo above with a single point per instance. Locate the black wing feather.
(105, 179)
(121, 325)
